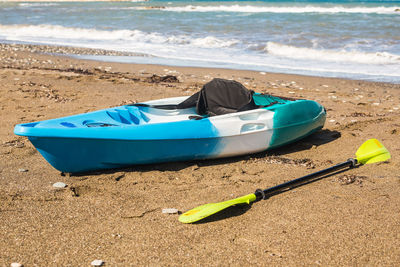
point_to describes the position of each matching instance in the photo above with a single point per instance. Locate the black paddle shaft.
(263, 194)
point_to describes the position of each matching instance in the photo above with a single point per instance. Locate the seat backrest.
(221, 96)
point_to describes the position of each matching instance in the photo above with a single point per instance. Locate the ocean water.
(348, 39)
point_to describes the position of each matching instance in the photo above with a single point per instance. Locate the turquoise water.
(350, 39)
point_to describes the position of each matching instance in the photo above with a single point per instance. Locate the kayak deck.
(131, 115)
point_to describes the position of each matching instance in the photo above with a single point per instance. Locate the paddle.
(371, 151)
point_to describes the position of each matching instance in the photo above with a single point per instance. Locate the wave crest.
(288, 51)
(277, 9)
(54, 32)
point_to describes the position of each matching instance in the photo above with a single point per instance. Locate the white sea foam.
(279, 9)
(43, 33)
(39, 4)
(331, 55)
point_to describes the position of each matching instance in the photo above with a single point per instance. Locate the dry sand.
(351, 218)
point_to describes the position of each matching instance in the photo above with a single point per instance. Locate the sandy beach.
(348, 219)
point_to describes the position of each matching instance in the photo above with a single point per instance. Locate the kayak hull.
(129, 135)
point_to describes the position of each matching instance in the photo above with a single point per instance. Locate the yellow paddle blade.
(372, 151)
(206, 210)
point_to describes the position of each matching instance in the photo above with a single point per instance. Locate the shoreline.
(116, 215)
(76, 52)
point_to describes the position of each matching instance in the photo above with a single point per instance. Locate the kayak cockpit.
(142, 114)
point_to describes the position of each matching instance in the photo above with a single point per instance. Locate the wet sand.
(350, 218)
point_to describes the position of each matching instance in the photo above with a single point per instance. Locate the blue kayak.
(143, 134)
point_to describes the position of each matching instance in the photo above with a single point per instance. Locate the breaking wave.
(275, 9)
(52, 33)
(331, 55)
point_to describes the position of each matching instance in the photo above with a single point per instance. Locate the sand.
(351, 218)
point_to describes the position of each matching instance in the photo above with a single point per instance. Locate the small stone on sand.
(59, 185)
(22, 170)
(97, 263)
(170, 211)
(16, 264)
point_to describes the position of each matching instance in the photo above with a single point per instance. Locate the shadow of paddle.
(229, 212)
(238, 210)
